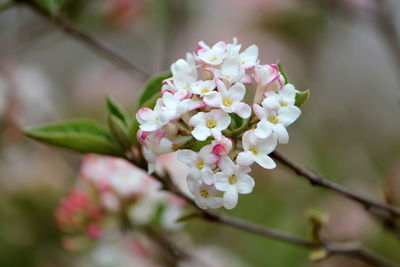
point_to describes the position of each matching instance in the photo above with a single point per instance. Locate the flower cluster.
(201, 113)
(112, 190)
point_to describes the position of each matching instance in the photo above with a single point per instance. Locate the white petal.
(242, 109)
(215, 202)
(266, 146)
(271, 102)
(150, 126)
(201, 132)
(281, 133)
(144, 114)
(213, 99)
(288, 115)
(170, 101)
(264, 129)
(222, 118)
(264, 161)
(237, 92)
(187, 156)
(221, 181)
(245, 158)
(226, 165)
(216, 133)
(230, 198)
(259, 111)
(207, 175)
(197, 119)
(245, 184)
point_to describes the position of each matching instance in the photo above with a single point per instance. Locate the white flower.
(203, 88)
(257, 149)
(205, 196)
(209, 123)
(222, 147)
(212, 56)
(201, 163)
(173, 108)
(184, 72)
(231, 70)
(277, 112)
(248, 58)
(233, 180)
(268, 78)
(154, 144)
(229, 99)
(151, 120)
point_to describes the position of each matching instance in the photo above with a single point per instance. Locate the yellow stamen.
(253, 150)
(273, 118)
(204, 193)
(228, 76)
(205, 90)
(213, 59)
(200, 164)
(284, 104)
(211, 123)
(232, 179)
(243, 62)
(227, 102)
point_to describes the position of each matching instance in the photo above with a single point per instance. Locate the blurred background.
(345, 51)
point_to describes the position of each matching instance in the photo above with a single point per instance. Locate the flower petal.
(259, 111)
(201, 132)
(197, 119)
(230, 198)
(281, 133)
(242, 109)
(187, 156)
(264, 129)
(267, 145)
(245, 158)
(264, 161)
(245, 184)
(207, 175)
(213, 99)
(221, 181)
(237, 92)
(288, 115)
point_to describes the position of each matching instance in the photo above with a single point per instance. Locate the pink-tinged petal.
(142, 136)
(221, 181)
(242, 109)
(230, 198)
(259, 111)
(144, 114)
(221, 86)
(182, 94)
(266, 146)
(237, 91)
(245, 184)
(264, 161)
(281, 133)
(226, 165)
(187, 156)
(219, 150)
(246, 79)
(264, 129)
(288, 115)
(198, 119)
(201, 132)
(220, 46)
(213, 99)
(245, 159)
(207, 175)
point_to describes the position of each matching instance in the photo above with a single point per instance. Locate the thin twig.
(85, 38)
(318, 180)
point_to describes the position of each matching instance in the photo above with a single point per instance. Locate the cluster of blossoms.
(202, 115)
(110, 191)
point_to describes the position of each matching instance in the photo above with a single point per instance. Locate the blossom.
(212, 56)
(151, 120)
(248, 58)
(222, 147)
(205, 196)
(203, 88)
(268, 78)
(229, 99)
(201, 163)
(257, 150)
(209, 123)
(233, 180)
(277, 112)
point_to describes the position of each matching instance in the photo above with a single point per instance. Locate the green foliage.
(53, 6)
(152, 89)
(77, 135)
(237, 121)
(116, 110)
(301, 97)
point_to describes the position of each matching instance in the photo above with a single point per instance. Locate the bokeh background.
(350, 129)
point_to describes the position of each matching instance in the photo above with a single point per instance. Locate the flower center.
(200, 164)
(185, 88)
(211, 123)
(227, 102)
(228, 76)
(232, 179)
(253, 150)
(157, 118)
(243, 62)
(204, 193)
(284, 104)
(205, 90)
(213, 59)
(273, 118)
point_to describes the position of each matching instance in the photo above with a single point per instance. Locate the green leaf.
(301, 97)
(119, 132)
(77, 135)
(152, 89)
(237, 121)
(282, 71)
(116, 110)
(53, 6)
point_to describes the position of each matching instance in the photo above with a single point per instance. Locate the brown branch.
(318, 180)
(351, 249)
(85, 38)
